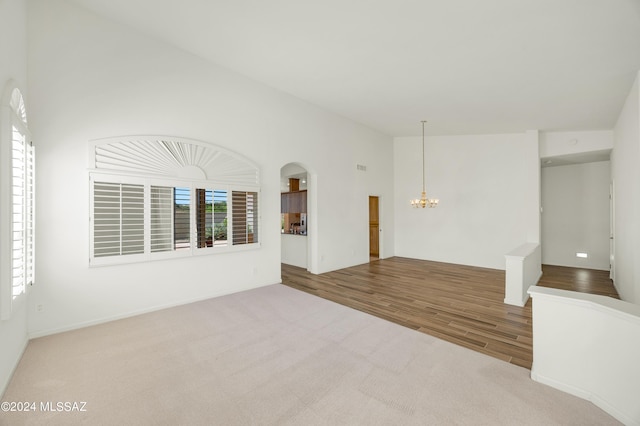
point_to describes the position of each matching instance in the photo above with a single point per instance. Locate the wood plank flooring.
(580, 280)
(457, 303)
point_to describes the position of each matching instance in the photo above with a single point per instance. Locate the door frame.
(612, 231)
(380, 233)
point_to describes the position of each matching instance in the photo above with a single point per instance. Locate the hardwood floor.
(457, 303)
(580, 280)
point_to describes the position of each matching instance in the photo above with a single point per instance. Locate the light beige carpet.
(275, 356)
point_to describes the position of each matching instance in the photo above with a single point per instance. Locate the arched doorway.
(297, 216)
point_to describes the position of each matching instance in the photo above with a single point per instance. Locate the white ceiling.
(466, 66)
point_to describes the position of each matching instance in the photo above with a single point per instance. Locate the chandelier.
(423, 201)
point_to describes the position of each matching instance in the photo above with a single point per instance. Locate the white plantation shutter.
(118, 219)
(18, 189)
(132, 219)
(30, 213)
(245, 217)
(18, 213)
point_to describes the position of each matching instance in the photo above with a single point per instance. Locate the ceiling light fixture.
(423, 201)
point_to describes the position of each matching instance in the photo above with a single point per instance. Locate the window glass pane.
(161, 218)
(204, 217)
(181, 218)
(219, 218)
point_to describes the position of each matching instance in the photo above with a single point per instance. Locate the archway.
(298, 216)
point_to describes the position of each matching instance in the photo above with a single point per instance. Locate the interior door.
(374, 227)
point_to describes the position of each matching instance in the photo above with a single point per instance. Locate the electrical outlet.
(39, 307)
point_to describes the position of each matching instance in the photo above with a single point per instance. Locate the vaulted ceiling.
(466, 66)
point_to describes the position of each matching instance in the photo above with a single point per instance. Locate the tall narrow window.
(22, 199)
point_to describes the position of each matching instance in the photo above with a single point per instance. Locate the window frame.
(175, 182)
(13, 118)
(201, 222)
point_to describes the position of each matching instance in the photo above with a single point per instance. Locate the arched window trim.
(16, 103)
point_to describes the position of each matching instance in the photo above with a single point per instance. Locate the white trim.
(12, 115)
(173, 157)
(608, 305)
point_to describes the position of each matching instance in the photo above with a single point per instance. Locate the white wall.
(13, 66)
(557, 144)
(626, 178)
(294, 250)
(488, 186)
(575, 218)
(92, 78)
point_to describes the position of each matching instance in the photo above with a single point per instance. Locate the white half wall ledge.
(589, 346)
(523, 270)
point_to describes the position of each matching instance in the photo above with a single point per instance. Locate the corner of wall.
(7, 374)
(626, 178)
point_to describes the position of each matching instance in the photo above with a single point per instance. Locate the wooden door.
(374, 227)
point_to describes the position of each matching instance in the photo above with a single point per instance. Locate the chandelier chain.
(423, 178)
(423, 201)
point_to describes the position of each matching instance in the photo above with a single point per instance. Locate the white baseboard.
(515, 302)
(48, 332)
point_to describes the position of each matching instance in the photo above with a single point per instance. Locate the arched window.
(158, 197)
(18, 164)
